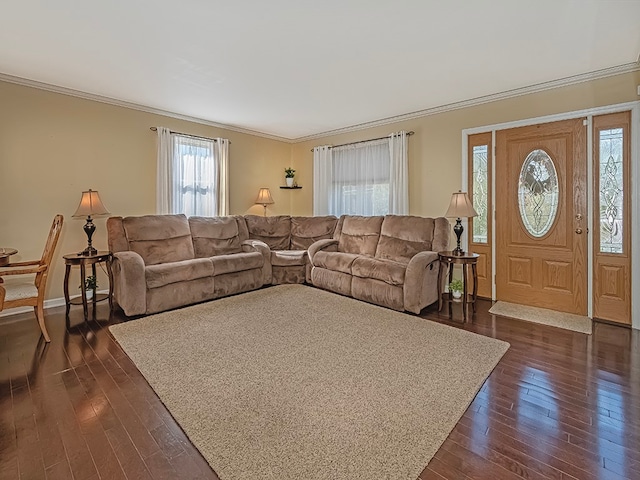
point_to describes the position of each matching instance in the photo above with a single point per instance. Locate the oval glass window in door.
(538, 193)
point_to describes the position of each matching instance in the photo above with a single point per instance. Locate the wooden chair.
(26, 293)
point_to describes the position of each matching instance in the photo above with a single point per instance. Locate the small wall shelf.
(297, 187)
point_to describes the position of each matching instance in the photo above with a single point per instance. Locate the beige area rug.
(293, 382)
(568, 321)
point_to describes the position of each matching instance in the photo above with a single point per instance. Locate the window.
(195, 177)
(360, 184)
(192, 174)
(480, 189)
(611, 180)
(538, 193)
(365, 178)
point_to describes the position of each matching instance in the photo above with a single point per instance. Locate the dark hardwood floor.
(559, 405)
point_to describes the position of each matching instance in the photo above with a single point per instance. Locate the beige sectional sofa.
(390, 261)
(162, 262)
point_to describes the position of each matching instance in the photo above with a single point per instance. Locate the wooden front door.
(541, 216)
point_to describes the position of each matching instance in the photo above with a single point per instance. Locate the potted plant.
(456, 287)
(90, 285)
(288, 176)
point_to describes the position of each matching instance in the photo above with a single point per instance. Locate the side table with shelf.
(448, 260)
(83, 261)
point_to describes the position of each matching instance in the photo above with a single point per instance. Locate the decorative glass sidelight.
(611, 191)
(538, 193)
(480, 193)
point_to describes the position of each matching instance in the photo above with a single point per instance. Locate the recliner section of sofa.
(390, 261)
(162, 262)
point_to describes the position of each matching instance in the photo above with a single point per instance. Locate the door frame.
(589, 113)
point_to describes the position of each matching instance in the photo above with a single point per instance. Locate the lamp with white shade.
(460, 207)
(264, 199)
(90, 204)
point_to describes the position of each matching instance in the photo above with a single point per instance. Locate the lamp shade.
(90, 204)
(460, 206)
(264, 197)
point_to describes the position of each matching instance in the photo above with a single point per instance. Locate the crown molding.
(134, 106)
(540, 87)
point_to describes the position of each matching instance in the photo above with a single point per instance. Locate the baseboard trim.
(51, 303)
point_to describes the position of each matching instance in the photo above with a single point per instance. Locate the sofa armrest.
(129, 282)
(421, 281)
(263, 248)
(327, 244)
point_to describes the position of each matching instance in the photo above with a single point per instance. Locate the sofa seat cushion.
(174, 272)
(336, 261)
(387, 271)
(236, 262)
(287, 258)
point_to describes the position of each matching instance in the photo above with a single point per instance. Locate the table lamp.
(460, 207)
(264, 199)
(90, 204)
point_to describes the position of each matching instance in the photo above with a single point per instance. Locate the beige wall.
(435, 150)
(54, 146)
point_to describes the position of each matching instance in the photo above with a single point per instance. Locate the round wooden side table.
(83, 261)
(448, 260)
(5, 253)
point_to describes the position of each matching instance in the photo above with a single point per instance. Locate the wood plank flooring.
(559, 405)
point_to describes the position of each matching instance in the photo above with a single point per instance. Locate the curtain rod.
(364, 141)
(155, 129)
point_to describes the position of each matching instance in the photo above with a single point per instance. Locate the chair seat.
(19, 290)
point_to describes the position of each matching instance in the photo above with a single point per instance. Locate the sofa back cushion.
(274, 231)
(159, 238)
(402, 236)
(359, 234)
(116, 236)
(306, 230)
(217, 235)
(441, 234)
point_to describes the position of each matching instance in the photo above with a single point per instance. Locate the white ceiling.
(296, 68)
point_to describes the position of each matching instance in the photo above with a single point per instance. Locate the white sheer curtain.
(192, 175)
(322, 175)
(366, 178)
(399, 174)
(360, 184)
(222, 164)
(164, 190)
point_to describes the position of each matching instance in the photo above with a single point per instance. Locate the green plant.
(456, 286)
(289, 172)
(90, 283)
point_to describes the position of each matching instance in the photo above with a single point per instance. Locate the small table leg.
(440, 286)
(110, 275)
(474, 270)
(450, 302)
(93, 272)
(83, 278)
(465, 303)
(67, 300)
